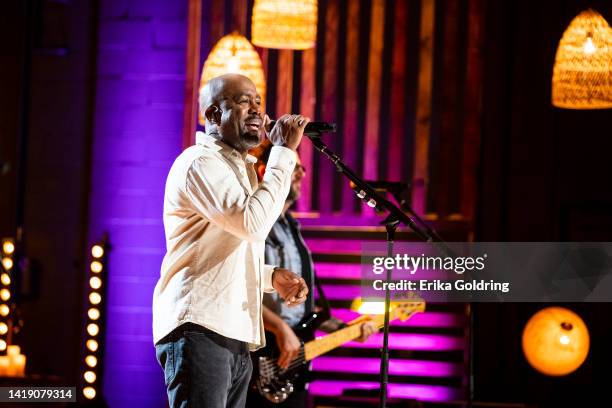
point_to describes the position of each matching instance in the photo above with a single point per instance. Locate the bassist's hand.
(290, 286)
(289, 346)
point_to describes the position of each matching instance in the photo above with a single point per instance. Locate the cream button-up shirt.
(216, 220)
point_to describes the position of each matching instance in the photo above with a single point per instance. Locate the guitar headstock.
(403, 310)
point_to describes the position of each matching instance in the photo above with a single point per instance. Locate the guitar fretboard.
(322, 345)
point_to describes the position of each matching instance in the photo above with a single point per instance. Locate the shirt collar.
(216, 144)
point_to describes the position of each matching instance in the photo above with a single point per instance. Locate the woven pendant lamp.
(234, 54)
(582, 75)
(285, 24)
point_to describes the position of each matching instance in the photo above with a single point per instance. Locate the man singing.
(207, 304)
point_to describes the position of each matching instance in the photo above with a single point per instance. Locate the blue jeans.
(203, 368)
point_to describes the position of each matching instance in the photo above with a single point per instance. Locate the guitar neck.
(322, 345)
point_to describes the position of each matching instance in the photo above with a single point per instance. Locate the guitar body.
(272, 383)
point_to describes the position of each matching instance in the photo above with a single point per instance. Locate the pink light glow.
(396, 367)
(426, 319)
(418, 392)
(403, 341)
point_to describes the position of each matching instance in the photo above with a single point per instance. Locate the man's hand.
(288, 131)
(288, 344)
(290, 286)
(367, 329)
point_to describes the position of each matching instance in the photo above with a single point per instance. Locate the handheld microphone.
(314, 128)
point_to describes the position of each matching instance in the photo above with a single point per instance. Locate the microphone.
(314, 128)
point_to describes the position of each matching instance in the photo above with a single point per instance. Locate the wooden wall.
(401, 79)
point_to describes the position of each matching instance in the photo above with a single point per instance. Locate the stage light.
(94, 325)
(93, 313)
(5, 294)
(5, 279)
(3, 328)
(285, 24)
(8, 247)
(581, 73)
(89, 376)
(4, 310)
(91, 361)
(97, 251)
(555, 341)
(93, 329)
(233, 53)
(96, 267)
(95, 282)
(7, 263)
(92, 345)
(89, 392)
(95, 298)
(2, 345)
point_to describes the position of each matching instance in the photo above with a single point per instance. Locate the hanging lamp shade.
(234, 54)
(582, 74)
(555, 341)
(286, 24)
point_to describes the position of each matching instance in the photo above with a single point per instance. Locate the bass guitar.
(276, 384)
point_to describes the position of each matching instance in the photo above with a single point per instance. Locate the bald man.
(207, 304)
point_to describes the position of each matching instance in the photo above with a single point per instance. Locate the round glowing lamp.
(89, 392)
(555, 341)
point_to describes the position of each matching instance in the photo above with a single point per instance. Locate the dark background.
(543, 175)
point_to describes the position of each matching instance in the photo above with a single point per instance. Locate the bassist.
(285, 247)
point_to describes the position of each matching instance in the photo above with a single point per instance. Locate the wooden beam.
(192, 75)
(372, 120)
(284, 82)
(473, 108)
(424, 106)
(307, 108)
(398, 92)
(239, 16)
(328, 101)
(350, 148)
(445, 181)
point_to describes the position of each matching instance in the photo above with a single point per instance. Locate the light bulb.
(95, 282)
(7, 263)
(8, 247)
(89, 392)
(233, 65)
(89, 376)
(97, 251)
(5, 279)
(91, 361)
(96, 267)
(92, 345)
(588, 47)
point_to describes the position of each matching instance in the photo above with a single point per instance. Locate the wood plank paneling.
(284, 87)
(307, 108)
(424, 107)
(473, 90)
(370, 170)
(328, 100)
(398, 92)
(351, 101)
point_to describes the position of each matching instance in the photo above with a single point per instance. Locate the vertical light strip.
(8, 265)
(94, 322)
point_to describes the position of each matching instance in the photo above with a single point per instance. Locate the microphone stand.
(395, 216)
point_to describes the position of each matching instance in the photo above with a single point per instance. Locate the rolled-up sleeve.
(267, 278)
(218, 196)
